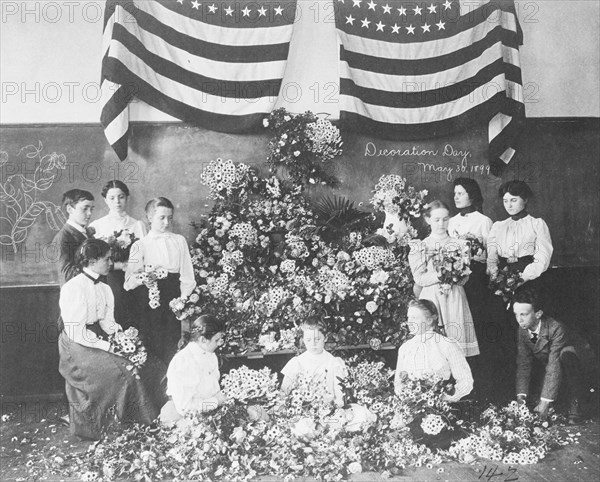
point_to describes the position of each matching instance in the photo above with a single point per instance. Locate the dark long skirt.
(124, 300)
(101, 390)
(159, 328)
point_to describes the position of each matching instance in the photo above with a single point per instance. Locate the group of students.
(99, 297)
(482, 324)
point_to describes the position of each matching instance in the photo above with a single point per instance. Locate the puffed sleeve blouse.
(474, 223)
(193, 380)
(435, 353)
(83, 302)
(165, 250)
(512, 239)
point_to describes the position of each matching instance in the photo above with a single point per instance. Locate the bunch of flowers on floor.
(128, 345)
(512, 434)
(304, 435)
(304, 145)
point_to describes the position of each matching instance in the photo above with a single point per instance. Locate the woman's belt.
(519, 263)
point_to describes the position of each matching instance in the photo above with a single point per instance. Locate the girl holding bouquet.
(439, 264)
(120, 230)
(193, 374)
(519, 251)
(96, 379)
(159, 269)
(520, 242)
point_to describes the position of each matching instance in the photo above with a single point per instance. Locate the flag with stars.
(217, 64)
(413, 70)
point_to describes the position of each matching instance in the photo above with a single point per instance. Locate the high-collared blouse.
(107, 225)
(512, 239)
(193, 379)
(431, 352)
(166, 250)
(83, 302)
(471, 223)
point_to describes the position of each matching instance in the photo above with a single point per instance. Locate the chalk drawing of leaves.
(54, 216)
(19, 196)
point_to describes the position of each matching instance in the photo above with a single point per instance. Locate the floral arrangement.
(506, 282)
(475, 244)
(393, 196)
(304, 145)
(265, 268)
(150, 277)
(451, 264)
(120, 244)
(128, 345)
(223, 178)
(512, 435)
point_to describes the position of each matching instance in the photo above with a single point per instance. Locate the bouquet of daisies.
(128, 345)
(250, 386)
(150, 277)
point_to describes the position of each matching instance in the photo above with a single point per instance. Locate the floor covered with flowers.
(416, 436)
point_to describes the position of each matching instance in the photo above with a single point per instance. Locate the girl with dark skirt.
(160, 253)
(523, 243)
(99, 384)
(116, 196)
(471, 222)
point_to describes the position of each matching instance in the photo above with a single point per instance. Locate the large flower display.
(267, 256)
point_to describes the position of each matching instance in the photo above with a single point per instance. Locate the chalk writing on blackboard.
(20, 194)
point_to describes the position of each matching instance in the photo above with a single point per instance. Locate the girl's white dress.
(453, 307)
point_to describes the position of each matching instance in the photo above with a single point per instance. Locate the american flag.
(213, 64)
(413, 70)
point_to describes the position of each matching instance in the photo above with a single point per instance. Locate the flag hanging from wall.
(214, 64)
(421, 69)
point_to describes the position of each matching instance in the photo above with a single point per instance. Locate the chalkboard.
(558, 158)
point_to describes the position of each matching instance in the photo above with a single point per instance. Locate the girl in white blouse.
(193, 374)
(98, 381)
(430, 352)
(316, 362)
(521, 240)
(160, 248)
(116, 196)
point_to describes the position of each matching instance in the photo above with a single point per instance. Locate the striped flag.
(414, 70)
(214, 64)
